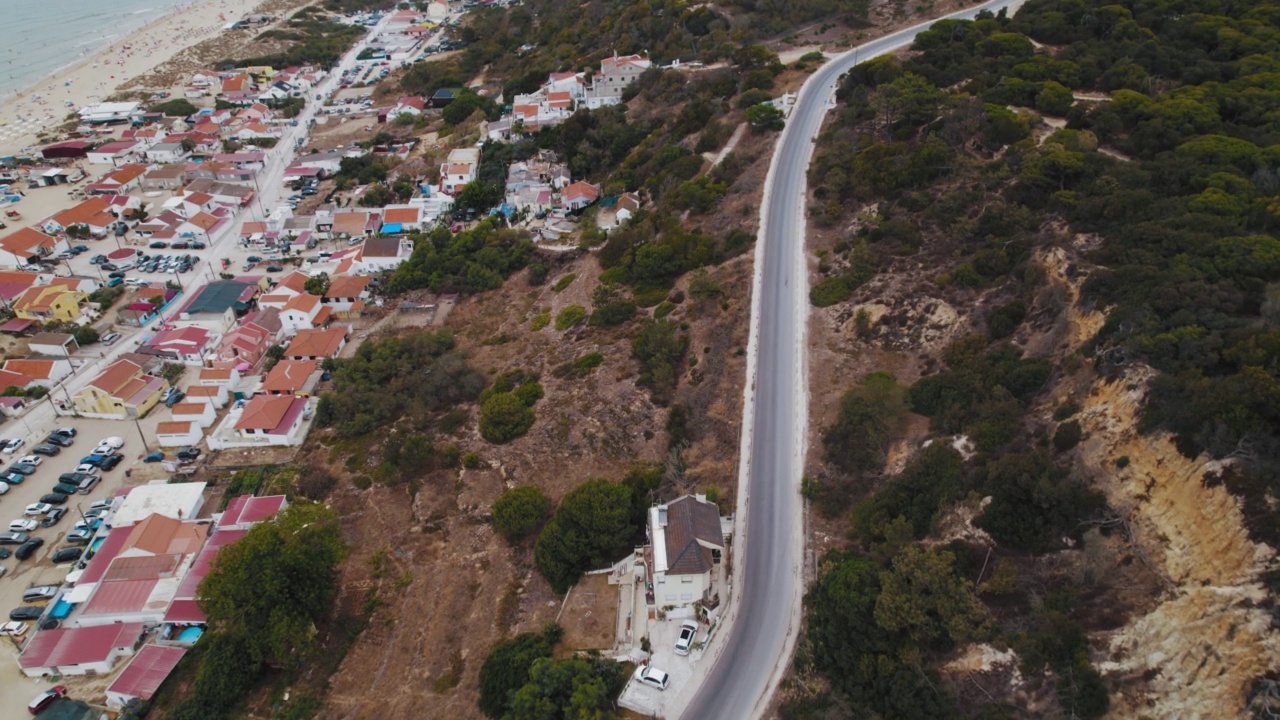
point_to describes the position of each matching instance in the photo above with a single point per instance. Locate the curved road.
(766, 618)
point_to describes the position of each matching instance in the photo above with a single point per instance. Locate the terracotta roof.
(381, 247)
(689, 521)
(201, 391)
(84, 213)
(126, 173)
(190, 408)
(175, 427)
(50, 338)
(303, 303)
(401, 215)
(215, 374)
(347, 286)
(580, 189)
(115, 376)
(317, 343)
(351, 223)
(146, 671)
(32, 367)
(295, 281)
(289, 376)
(266, 412)
(25, 241)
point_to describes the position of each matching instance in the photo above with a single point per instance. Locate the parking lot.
(39, 569)
(682, 669)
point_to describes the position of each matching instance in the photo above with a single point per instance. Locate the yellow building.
(122, 390)
(49, 302)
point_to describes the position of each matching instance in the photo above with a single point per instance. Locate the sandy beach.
(45, 104)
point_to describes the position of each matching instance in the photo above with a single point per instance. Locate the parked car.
(35, 509)
(46, 449)
(158, 245)
(275, 268)
(652, 676)
(66, 555)
(24, 468)
(188, 453)
(253, 259)
(110, 267)
(31, 460)
(66, 488)
(111, 461)
(54, 498)
(98, 260)
(42, 701)
(197, 245)
(26, 612)
(80, 249)
(14, 629)
(60, 440)
(180, 245)
(86, 486)
(13, 478)
(12, 446)
(39, 592)
(114, 443)
(53, 517)
(103, 504)
(13, 538)
(28, 548)
(153, 456)
(174, 398)
(66, 431)
(110, 338)
(114, 282)
(23, 525)
(4, 487)
(81, 536)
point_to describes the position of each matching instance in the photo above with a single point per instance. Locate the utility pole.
(138, 425)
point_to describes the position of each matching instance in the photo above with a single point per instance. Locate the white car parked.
(688, 631)
(23, 525)
(12, 446)
(31, 460)
(37, 509)
(652, 676)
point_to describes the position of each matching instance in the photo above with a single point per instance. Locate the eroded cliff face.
(1197, 652)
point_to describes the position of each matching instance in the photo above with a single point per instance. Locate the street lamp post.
(145, 445)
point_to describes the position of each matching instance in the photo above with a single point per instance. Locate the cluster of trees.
(414, 375)
(595, 524)
(660, 346)
(521, 681)
(177, 107)
(263, 596)
(506, 407)
(471, 261)
(316, 41)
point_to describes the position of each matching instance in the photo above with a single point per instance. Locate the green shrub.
(830, 291)
(563, 282)
(519, 512)
(504, 417)
(592, 528)
(1067, 435)
(570, 316)
(539, 321)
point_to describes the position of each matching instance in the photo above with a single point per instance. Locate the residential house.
(317, 344)
(383, 253)
(200, 413)
(460, 168)
(45, 303)
(44, 372)
(687, 544)
(237, 88)
(166, 152)
(119, 181)
(330, 161)
(228, 377)
(616, 73)
(187, 345)
(578, 195)
(179, 433)
(165, 177)
(95, 213)
(115, 153)
(14, 282)
(142, 677)
(401, 218)
(121, 390)
(356, 223)
(411, 105)
(303, 312)
(615, 210)
(292, 377)
(213, 395)
(79, 650)
(272, 420)
(219, 302)
(347, 293)
(223, 193)
(26, 246)
(53, 344)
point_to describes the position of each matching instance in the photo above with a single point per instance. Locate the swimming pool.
(190, 635)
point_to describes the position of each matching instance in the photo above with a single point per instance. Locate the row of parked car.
(37, 597)
(48, 511)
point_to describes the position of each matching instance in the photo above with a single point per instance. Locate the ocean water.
(39, 37)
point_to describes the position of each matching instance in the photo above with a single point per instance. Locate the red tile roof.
(65, 647)
(146, 671)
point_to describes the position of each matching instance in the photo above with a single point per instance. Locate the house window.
(686, 581)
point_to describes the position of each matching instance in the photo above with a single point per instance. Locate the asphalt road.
(763, 630)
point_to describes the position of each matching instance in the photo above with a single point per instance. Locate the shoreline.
(41, 105)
